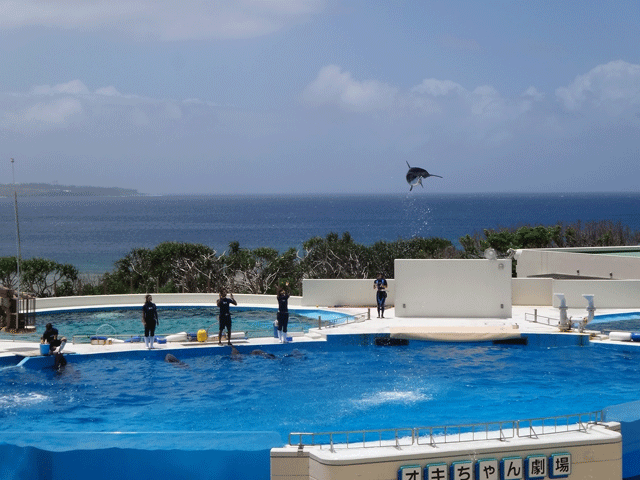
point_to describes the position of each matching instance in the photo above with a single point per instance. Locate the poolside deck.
(519, 322)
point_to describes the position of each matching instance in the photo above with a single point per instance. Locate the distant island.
(48, 190)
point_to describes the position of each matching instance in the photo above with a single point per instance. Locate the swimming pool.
(227, 409)
(628, 322)
(254, 321)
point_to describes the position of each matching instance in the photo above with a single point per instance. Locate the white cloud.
(41, 116)
(533, 94)
(48, 107)
(613, 87)
(333, 86)
(616, 82)
(437, 88)
(109, 91)
(162, 19)
(172, 111)
(74, 87)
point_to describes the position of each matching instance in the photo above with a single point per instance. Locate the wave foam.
(22, 399)
(395, 396)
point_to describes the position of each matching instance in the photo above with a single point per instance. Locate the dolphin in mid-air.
(416, 174)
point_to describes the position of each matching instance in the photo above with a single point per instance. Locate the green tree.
(134, 272)
(42, 277)
(9, 272)
(335, 257)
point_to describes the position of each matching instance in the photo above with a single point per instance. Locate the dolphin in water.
(235, 354)
(416, 174)
(172, 359)
(263, 354)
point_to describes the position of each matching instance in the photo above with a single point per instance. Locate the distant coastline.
(49, 190)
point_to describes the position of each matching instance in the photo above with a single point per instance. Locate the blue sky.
(321, 96)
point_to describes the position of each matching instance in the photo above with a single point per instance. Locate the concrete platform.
(517, 323)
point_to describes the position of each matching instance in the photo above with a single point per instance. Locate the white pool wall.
(595, 454)
(195, 299)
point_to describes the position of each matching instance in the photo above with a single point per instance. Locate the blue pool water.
(626, 322)
(255, 321)
(218, 404)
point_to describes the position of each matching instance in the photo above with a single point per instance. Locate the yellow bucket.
(202, 335)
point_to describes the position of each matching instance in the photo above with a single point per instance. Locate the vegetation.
(174, 267)
(44, 278)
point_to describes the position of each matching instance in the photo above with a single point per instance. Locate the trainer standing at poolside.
(380, 284)
(225, 314)
(149, 320)
(283, 312)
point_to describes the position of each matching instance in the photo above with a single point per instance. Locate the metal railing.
(535, 318)
(555, 322)
(466, 433)
(433, 436)
(566, 423)
(343, 320)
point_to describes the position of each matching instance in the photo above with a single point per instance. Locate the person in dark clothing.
(225, 315)
(282, 317)
(50, 336)
(380, 284)
(150, 321)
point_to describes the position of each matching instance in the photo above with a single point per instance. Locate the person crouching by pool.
(50, 336)
(149, 320)
(282, 316)
(225, 315)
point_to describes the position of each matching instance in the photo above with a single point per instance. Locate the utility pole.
(19, 258)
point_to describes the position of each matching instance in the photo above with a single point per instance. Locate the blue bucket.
(44, 348)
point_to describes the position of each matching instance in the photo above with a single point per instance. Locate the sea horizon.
(93, 232)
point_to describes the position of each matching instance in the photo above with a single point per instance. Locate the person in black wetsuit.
(149, 320)
(380, 284)
(225, 315)
(50, 336)
(283, 312)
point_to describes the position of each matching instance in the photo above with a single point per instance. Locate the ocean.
(92, 233)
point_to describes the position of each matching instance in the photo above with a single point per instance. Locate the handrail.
(345, 319)
(500, 431)
(466, 433)
(554, 322)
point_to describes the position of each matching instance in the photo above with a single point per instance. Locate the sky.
(321, 96)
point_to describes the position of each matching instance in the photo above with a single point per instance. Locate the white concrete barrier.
(453, 288)
(343, 293)
(531, 291)
(137, 300)
(595, 453)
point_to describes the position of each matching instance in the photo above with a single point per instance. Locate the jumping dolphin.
(416, 174)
